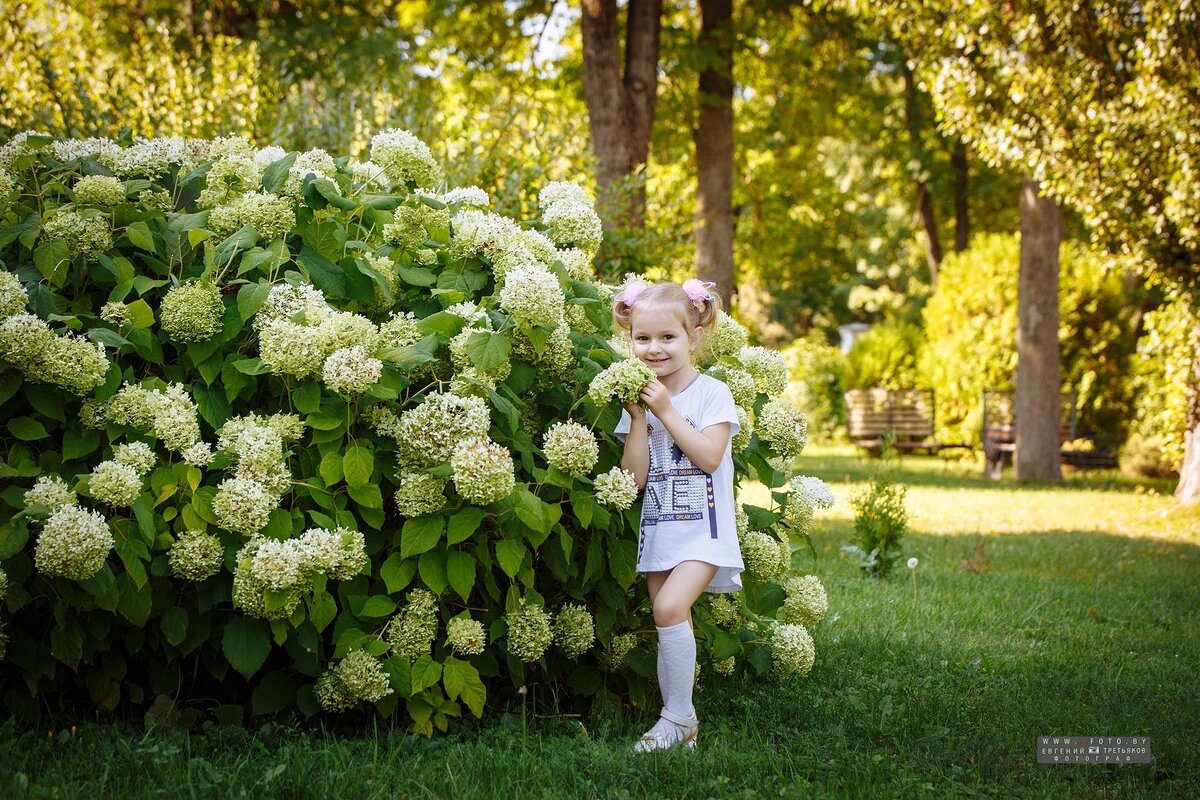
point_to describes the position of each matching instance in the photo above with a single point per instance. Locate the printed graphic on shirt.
(676, 490)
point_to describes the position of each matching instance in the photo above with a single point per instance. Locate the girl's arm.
(636, 457)
(705, 448)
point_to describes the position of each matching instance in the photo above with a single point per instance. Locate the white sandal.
(650, 742)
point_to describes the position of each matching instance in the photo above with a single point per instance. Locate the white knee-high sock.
(677, 670)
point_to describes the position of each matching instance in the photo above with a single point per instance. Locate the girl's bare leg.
(677, 590)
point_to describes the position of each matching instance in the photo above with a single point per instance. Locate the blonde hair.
(692, 313)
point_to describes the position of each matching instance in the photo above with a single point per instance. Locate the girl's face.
(661, 341)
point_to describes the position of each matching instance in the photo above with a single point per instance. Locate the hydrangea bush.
(286, 432)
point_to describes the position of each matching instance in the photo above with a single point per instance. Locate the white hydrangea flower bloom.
(74, 544)
(617, 488)
(405, 158)
(350, 371)
(571, 447)
(471, 196)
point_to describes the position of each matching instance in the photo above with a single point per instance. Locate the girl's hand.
(635, 410)
(657, 398)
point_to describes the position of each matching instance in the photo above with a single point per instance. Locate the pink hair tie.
(698, 290)
(633, 290)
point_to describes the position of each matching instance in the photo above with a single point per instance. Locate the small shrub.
(1148, 457)
(880, 519)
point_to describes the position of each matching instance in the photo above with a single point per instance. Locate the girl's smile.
(662, 343)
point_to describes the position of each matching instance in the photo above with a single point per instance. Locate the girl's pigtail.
(710, 309)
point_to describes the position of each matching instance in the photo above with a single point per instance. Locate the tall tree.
(962, 211)
(919, 161)
(714, 148)
(620, 102)
(1039, 383)
(1097, 101)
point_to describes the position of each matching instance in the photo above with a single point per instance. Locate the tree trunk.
(962, 223)
(924, 200)
(933, 245)
(1038, 409)
(1188, 490)
(621, 103)
(714, 149)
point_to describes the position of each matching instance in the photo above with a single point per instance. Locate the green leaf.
(383, 202)
(330, 468)
(242, 239)
(583, 505)
(12, 539)
(140, 236)
(26, 231)
(273, 694)
(251, 366)
(134, 603)
(432, 567)
(377, 606)
(421, 534)
(66, 643)
(325, 236)
(487, 349)
(416, 276)
(464, 524)
(725, 644)
(414, 355)
(322, 608)
(473, 692)
(531, 510)
(52, 259)
(79, 442)
(367, 496)
(320, 423)
(276, 173)
(141, 315)
(108, 337)
(425, 673)
(323, 273)
(622, 560)
(27, 429)
(246, 643)
(250, 299)
(443, 323)
(307, 397)
(460, 571)
(329, 191)
(188, 222)
(174, 625)
(357, 465)
(397, 572)
(510, 553)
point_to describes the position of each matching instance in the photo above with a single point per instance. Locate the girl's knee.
(669, 611)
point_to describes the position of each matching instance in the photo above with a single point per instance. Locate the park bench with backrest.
(908, 413)
(999, 434)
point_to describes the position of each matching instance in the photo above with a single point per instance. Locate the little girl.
(677, 447)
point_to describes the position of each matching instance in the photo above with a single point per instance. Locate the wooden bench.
(908, 413)
(999, 434)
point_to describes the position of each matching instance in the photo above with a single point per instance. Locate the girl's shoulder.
(709, 384)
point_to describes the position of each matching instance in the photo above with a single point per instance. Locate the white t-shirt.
(687, 514)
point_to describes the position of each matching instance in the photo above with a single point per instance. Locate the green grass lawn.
(1082, 621)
